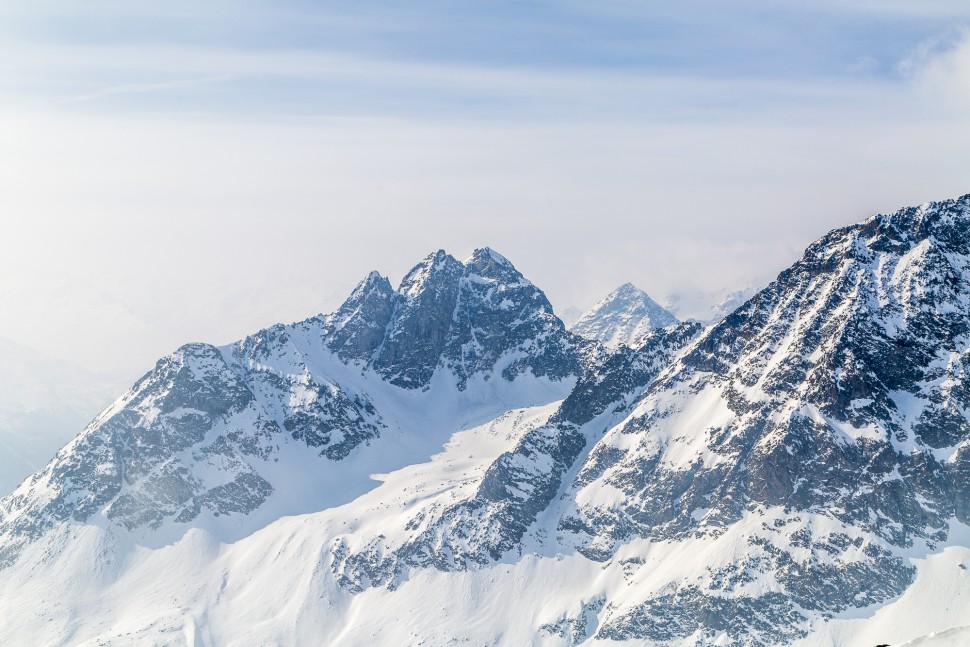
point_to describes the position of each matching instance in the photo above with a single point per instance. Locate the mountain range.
(446, 463)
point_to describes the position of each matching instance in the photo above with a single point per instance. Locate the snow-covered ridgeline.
(796, 473)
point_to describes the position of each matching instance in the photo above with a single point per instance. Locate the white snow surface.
(955, 637)
(623, 317)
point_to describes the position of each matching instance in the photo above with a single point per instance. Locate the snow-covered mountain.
(816, 439)
(445, 464)
(211, 432)
(623, 317)
(805, 450)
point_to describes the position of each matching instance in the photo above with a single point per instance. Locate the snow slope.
(956, 637)
(275, 586)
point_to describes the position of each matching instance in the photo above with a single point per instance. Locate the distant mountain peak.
(569, 315)
(624, 316)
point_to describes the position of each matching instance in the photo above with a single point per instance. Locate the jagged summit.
(798, 473)
(199, 435)
(357, 328)
(623, 317)
(465, 316)
(372, 278)
(488, 263)
(429, 271)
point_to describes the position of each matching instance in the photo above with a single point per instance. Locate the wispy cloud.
(617, 59)
(940, 69)
(320, 83)
(129, 88)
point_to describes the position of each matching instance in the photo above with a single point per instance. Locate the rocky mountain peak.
(489, 264)
(436, 268)
(417, 333)
(503, 321)
(374, 281)
(357, 328)
(455, 314)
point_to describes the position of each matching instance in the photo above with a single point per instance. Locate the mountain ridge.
(795, 472)
(198, 433)
(798, 389)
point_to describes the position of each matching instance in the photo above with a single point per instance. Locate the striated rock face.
(835, 401)
(419, 328)
(201, 432)
(141, 460)
(623, 317)
(358, 327)
(841, 386)
(193, 435)
(817, 433)
(277, 365)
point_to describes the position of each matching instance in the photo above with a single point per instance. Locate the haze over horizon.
(183, 174)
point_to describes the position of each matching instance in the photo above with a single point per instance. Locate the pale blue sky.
(432, 60)
(199, 170)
